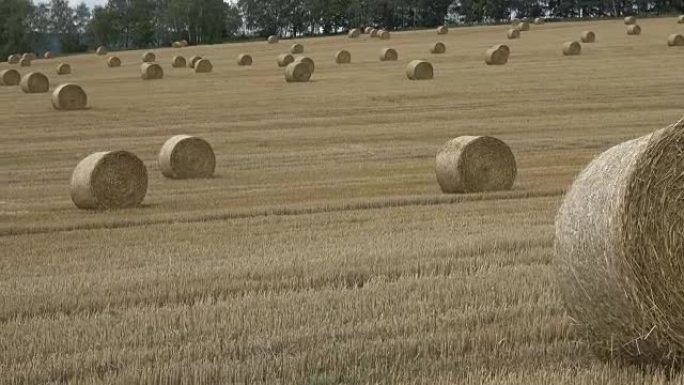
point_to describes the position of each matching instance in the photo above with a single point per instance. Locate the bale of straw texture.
(25, 62)
(389, 54)
(524, 26)
(588, 37)
(502, 47)
(151, 71)
(497, 55)
(273, 39)
(178, 62)
(572, 48)
(186, 157)
(101, 51)
(184, 43)
(513, 33)
(442, 30)
(193, 60)
(308, 61)
(113, 61)
(675, 40)
(49, 55)
(297, 72)
(13, 59)
(297, 48)
(343, 57)
(176, 44)
(438, 48)
(419, 70)
(34, 83)
(373, 32)
(680, 19)
(285, 59)
(619, 250)
(244, 59)
(148, 57)
(354, 33)
(538, 20)
(69, 97)
(30, 56)
(475, 164)
(9, 77)
(109, 180)
(384, 35)
(367, 30)
(203, 66)
(63, 69)
(634, 29)
(629, 20)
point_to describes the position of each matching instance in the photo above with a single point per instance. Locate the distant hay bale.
(25, 62)
(343, 57)
(69, 97)
(101, 51)
(442, 30)
(193, 60)
(151, 71)
(13, 59)
(178, 62)
(629, 20)
(49, 55)
(675, 40)
(367, 30)
(30, 56)
(538, 20)
(438, 48)
(515, 21)
(513, 33)
(524, 26)
(497, 55)
(273, 39)
(113, 61)
(384, 35)
(34, 83)
(203, 66)
(680, 19)
(176, 44)
(297, 48)
(184, 43)
(187, 157)
(419, 70)
(9, 77)
(572, 48)
(588, 37)
(63, 69)
(469, 164)
(373, 33)
(634, 30)
(149, 57)
(298, 72)
(619, 250)
(285, 59)
(354, 33)
(389, 54)
(244, 59)
(109, 180)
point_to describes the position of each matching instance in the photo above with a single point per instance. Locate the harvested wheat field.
(322, 250)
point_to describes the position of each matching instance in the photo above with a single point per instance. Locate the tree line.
(121, 24)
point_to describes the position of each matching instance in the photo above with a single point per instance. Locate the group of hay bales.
(66, 97)
(151, 70)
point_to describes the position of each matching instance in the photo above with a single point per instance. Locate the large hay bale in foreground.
(285, 59)
(438, 48)
(629, 20)
(151, 71)
(470, 164)
(675, 40)
(25, 62)
(178, 62)
(273, 39)
(634, 30)
(113, 62)
(109, 180)
(297, 48)
(148, 57)
(244, 59)
(572, 48)
(298, 72)
(384, 35)
(49, 55)
(389, 54)
(193, 60)
(63, 69)
(343, 57)
(10, 77)
(203, 66)
(101, 51)
(13, 59)
(497, 55)
(620, 250)
(419, 70)
(69, 97)
(513, 33)
(588, 37)
(309, 61)
(185, 157)
(354, 33)
(34, 83)
(442, 30)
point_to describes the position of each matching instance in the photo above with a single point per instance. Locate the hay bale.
(25, 62)
(497, 55)
(588, 37)
(244, 59)
(9, 77)
(309, 61)
(63, 69)
(470, 164)
(675, 40)
(389, 54)
(343, 57)
(298, 72)
(34, 83)
(633, 30)
(113, 61)
(49, 55)
(524, 25)
(373, 33)
(30, 56)
(203, 66)
(193, 60)
(184, 43)
(186, 157)
(354, 33)
(438, 48)
(680, 20)
(273, 39)
(572, 48)
(69, 97)
(384, 35)
(101, 51)
(149, 57)
(515, 21)
(285, 59)
(620, 250)
(176, 44)
(13, 59)
(297, 48)
(630, 20)
(442, 30)
(151, 71)
(109, 180)
(178, 62)
(513, 33)
(538, 20)
(367, 30)
(419, 70)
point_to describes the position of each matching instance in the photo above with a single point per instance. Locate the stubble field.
(322, 252)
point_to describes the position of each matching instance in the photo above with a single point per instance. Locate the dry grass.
(322, 251)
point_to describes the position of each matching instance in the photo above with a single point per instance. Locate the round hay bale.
(629, 20)
(273, 39)
(113, 61)
(69, 97)
(367, 30)
(176, 44)
(109, 180)
(151, 71)
(354, 33)
(588, 37)
(25, 62)
(308, 61)
(633, 30)
(244, 59)
(572, 48)
(34, 83)
(297, 48)
(513, 33)
(442, 30)
(419, 70)
(389, 54)
(186, 157)
(63, 69)
(524, 25)
(285, 59)
(502, 47)
(9, 77)
(49, 55)
(178, 62)
(619, 250)
(343, 57)
(101, 51)
(538, 20)
(680, 19)
(149, 57)
(193, 60)
(298, 72)
(184, 43)
(373, 33)
(470, 164)
(384, 35)
(675, 40)
(515, 21)
(203, 66)
(497, 55)
(13, 59)
(30, 56)
(438, 48)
